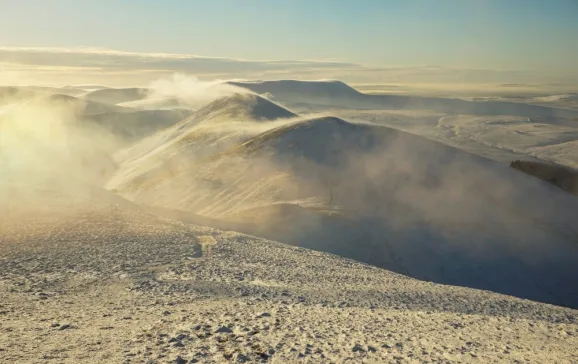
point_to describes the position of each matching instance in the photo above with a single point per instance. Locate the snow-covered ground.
(501, 138)
(347, 199)
(97, 279)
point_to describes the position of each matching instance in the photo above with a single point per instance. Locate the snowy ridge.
(243, 106)
(338, 94)
(215, 127)
(398, 194)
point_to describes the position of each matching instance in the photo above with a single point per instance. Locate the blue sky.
(492, 34)
(454, 42)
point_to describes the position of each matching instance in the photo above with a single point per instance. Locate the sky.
(497, 35)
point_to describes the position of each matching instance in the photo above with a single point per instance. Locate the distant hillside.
(286, 88)
(134, 125)
(84, 107)
(339, 95)
(232, 109)
(561, 176)
(123, 123)
(215, 127)
(324, 140)
(116, 95)
(20, 93)
(86, 87)
(10, 94)
(156, 104)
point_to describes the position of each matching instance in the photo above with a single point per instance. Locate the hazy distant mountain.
(116, 95)
(339, 95)
(84, 107)
(157, 104)
(301, 90)
(23, 93)
(135, 125)
(127, 124)
(86, 87)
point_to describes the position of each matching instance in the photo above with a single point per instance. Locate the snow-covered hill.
(387, 198)
(294, 90)
(502, 138)
(242, 107)
(215, 127)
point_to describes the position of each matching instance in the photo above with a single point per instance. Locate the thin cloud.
(120, 60)
(61, 66)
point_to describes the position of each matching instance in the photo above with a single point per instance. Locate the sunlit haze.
(288, 181)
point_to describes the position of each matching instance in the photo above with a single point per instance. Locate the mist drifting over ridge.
(326, 164)
(310, 166)
(287, 182)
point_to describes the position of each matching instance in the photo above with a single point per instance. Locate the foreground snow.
(100, 280)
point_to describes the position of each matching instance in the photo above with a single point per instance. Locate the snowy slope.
(242, 107)
(387, 198)
(538, 138)
(218, 125)
(107, 281)
(502, 138)
(132, 126)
